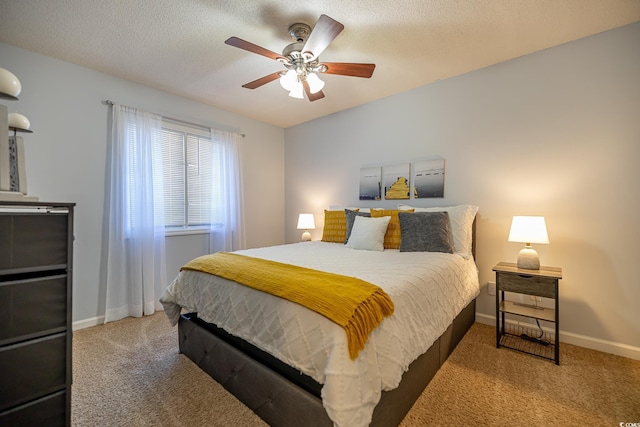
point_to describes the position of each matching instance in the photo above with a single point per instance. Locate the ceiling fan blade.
(262, 81)
(325, 30)
(243, 44)
(312, 96)
(350, 69)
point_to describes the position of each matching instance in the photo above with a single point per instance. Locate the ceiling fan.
(300, 59)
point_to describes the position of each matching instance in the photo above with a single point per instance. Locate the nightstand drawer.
(525, 284)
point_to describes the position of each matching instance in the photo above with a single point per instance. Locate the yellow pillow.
(392, 236)
(335, 226)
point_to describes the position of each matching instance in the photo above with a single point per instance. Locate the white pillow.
(461, 218)
(368, 233)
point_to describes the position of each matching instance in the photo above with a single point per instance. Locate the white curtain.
(134, 257)
(227, 223)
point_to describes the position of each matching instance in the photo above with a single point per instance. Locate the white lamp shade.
(18, 121)
(297, 91)
(9, 83)
(289, 80)
(528, 229)
(315, 84)
(306, 222)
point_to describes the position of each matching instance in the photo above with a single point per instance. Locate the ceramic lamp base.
(528, 259)
(306, 236)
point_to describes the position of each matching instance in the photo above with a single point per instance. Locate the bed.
(291, 366)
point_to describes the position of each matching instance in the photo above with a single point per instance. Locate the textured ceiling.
(178, 46)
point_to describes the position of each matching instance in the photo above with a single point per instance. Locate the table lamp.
(306, 223)
(527, 230)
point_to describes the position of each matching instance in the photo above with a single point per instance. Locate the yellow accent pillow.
(392, 236)
(335, 226)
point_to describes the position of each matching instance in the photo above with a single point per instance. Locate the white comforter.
(428, 291)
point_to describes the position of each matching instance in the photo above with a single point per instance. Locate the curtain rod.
(111, 103)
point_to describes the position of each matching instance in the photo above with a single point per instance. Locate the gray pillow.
(425, 232)
(351, 217)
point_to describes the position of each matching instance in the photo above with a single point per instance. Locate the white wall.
(65, 158)
(555, 133)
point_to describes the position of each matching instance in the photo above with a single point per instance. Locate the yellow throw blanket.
(354, 304)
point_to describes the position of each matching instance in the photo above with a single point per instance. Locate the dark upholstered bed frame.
(279, 401)
(282, 396)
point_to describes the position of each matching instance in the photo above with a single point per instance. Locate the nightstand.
(536, 283)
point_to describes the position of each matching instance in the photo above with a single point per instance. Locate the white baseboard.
(618, 349)
(87, 323)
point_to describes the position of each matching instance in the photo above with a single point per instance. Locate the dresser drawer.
(525, 284)
(50, 411)
(32, 369)
(32, 306)
(33, 240)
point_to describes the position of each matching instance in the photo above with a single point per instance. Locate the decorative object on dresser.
(10, 86)
(528, 230)
(36, 259)
(538, 284)
(13, 178)
(306, 223)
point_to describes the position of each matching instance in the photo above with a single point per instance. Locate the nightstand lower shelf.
(528, 310)
(512, 338)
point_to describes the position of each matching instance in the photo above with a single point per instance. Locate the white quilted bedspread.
(428, 291)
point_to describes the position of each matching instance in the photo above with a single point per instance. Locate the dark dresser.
(36, 254)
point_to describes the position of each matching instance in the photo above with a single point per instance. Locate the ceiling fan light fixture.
(301, 59)
(297, 91)
(315, 84)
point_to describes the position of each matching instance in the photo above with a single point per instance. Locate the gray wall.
(66, 154)
(555, 133)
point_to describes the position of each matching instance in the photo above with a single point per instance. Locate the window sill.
(186, 231)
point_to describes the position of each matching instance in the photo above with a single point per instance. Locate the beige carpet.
(129, 373)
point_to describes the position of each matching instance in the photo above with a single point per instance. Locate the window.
(189, 175)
